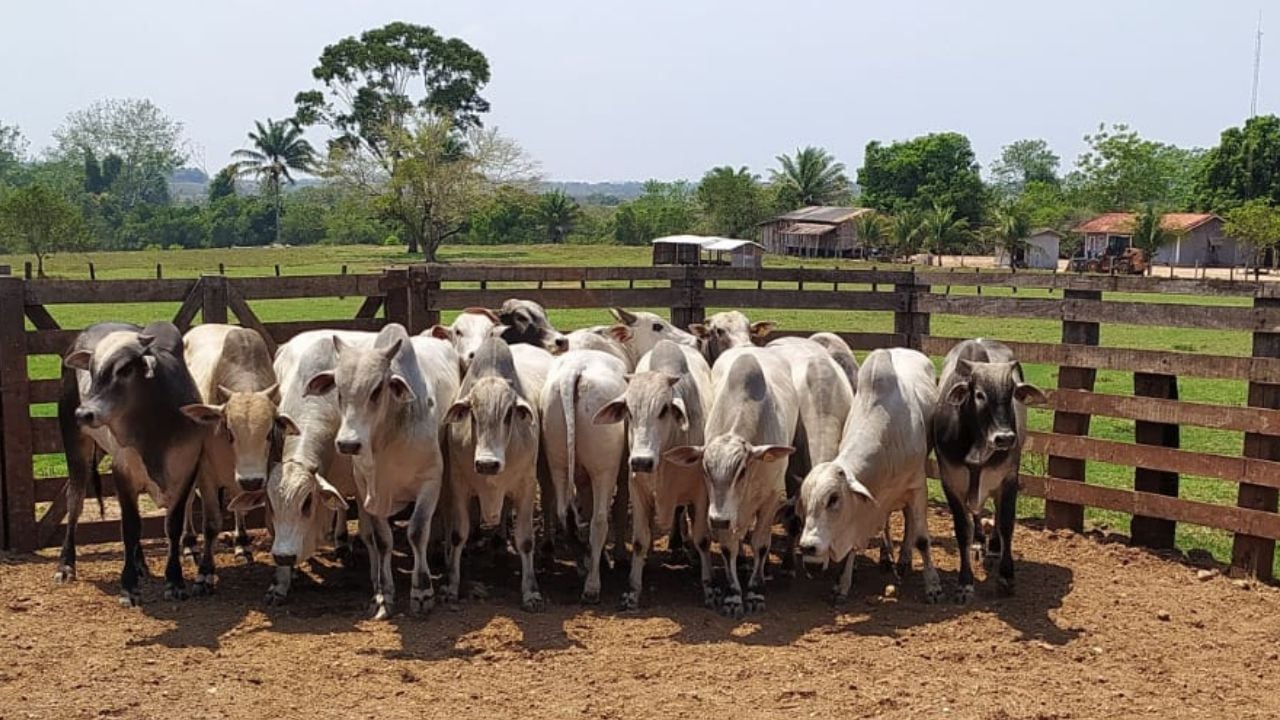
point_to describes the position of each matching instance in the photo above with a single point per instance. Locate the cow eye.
(377, 392)
(663, 412)
(306, 506)
(657, 327)
(720, 331)
(507, 418)
(980, 396)
(833, 501)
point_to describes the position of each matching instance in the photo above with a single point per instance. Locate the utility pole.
(1257, 68)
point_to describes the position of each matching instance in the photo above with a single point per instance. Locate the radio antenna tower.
(1257, 68)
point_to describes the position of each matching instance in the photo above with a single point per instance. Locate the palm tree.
(278, 148)
(812, 177)
(1009, 230)
(904, 231)
(870, 230)
(1149, 235)
(940, 229)
(557, 213)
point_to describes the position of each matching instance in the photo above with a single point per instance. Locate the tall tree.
(1008, 231)
(1122, 170)
(278, 149)
(40, 221)
(1149, 233)
(1023, 162)
(937, 169)
(1245, 165)
(810, 177)
(1256, 223)
(904, 232)
(557, 213)
(223, 184)
(13, 152)
(870, 228)
(942, 230)
(147, 143)
(732, 201)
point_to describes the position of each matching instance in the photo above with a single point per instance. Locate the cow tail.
(568, 392)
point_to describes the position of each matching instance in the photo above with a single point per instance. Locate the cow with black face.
(524, 322)
(979, 427)
(124, 392)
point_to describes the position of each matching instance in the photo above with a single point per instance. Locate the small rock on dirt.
(1163, 616)
(1204, 575)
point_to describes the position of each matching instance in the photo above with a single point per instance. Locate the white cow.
(467, 331)
(611, 339)
(585, 459)
(880, 467)
(753, 418)
(666, 405)
(493, 450)
(725, 330)
(390, 396)
(646, 329)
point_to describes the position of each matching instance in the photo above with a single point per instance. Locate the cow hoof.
(755, 602)
(839, 597)
(964, 594)
(630, 602)
(274, 597)
(901, 570)
(202, 586)
(130, 598)
(64, 574)
(533, 602)
(933, 595)
(244, 555)
(478, 591)
(421, 602)
(1005, 584)
(144, 572)
(174, 591)
(590, 597)
(731, 607)
(381, 607)
(710, 596)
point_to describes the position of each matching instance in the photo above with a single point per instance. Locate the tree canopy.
(1023, 162)
(937, 169)
(276, 150)
(147, 143)
(1121, 170)
(39, 221)
(1244, 166)
(810, 177)
(732, 201)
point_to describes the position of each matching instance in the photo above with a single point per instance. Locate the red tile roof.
(1119, 223)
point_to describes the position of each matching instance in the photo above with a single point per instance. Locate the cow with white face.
(646, 330)
(753, 418)
(725, 330)
(585, 459)
(231, 367)
(493, 432)
(880, 467)
(525, 322)
(307, 492)
(472, 326)
(665, 405)
(608, 339)
(390, 397)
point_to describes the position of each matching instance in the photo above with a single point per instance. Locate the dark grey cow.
(524, 322)
(979, 428)
(125, 396)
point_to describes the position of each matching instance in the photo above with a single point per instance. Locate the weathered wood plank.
(1223, 467)
(1060, 515)
(1175, 412)
(1145, 530)
(40, 317)
(1252, 553)
(62, 292)
(50, 342)
(46, 391)
(94, 532)
(370, 307)
(17, 477)
(1101, 283)
(190, 306)
(558, 298)
(45, 436)
(307, 286)
(807, 299)
(1082, 310)
(247, 318)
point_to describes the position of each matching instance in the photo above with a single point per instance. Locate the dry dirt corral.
(1096, 631)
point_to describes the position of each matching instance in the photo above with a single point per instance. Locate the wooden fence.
(415, 297)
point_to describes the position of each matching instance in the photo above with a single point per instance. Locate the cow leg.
(205, 572)
(840, 593)
(81, 467)
(760, 537)
(641, 541)
(602, 492)
(175, 587)
(131, 534)
(547, 499)
(530, 597)
(963, 522)
(731, 603)
(702, 543)
(376, 534)
(457, 542)
(342, 538)
(903, 567)
(244, 547)
(886, 547)
(421, 595)
(619, 512)
(189, 528)
(1006, 512)
(919, 509)
(675, 539)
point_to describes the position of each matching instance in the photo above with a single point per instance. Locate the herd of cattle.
(706, 434)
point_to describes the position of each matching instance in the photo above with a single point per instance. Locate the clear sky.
(608, 90)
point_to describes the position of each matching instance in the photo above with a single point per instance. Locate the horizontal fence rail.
(417, 296)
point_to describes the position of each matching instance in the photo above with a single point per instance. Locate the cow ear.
(687, 455)
(458, 411)
(682, 417)
(400, 389)
(150, 362)
(1028, 394)
(699, 330)
(497, 331)
(78, 360)
(762, 328)
(959, 393)
(525, 411)
(287, 425)
(623, 316)
(393, 349)
(223, 393)
(320, 383)
(613, 412)
(769, 453)
(203, 414)
(271, 393)
(860, 490)
(246, 501)
(621, 333)
(481, 311)
(338, 345)
(671, 379)
(330, 496)
(440, 332)
(964, 368)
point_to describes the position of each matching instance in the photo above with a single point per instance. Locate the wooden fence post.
(908, 321)
(421, 287)
(213, 303)
(1148, 531)
(1058, 514)
(18, 473)
(1254, 555)
(398, 306)
(690, 307)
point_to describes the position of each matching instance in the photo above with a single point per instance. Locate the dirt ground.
(1097, 630)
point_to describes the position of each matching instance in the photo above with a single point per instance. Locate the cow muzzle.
(1004, 439)
(349, 447)
(488, 466)
(250, 484)
(642, 463)
(560, 344)
(719, 523)
(88, 417)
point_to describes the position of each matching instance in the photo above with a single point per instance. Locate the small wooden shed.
(736, 253)
(678, 250)
(706, 250)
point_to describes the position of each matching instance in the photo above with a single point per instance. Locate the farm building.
(1199, 239)
(690, 249)
(816, 231)
(1040, 251)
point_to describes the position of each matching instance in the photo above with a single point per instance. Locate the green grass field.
(327, 260)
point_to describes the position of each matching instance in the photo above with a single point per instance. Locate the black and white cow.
(979, 427)
(524, 322)
(124, 395)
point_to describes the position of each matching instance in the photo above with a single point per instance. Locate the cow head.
(985, 393)
(725, 330)
(836, 510)
(494, 410)
(302, 503)
(726, 463)
(368, 386)
(253, 426)
(655, 415)
(643, 330)
(526, 322)
(118, 366)
(468, 330)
